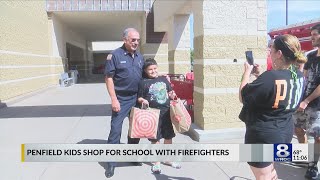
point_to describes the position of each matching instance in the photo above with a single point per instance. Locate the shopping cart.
(184, 89)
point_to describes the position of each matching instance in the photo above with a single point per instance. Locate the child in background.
(155, 91)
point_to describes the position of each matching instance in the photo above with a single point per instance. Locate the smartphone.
(249, 57)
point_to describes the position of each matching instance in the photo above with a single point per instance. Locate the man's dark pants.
(126, 103)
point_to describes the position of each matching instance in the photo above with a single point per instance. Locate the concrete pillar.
(223, 31)
(154, 44)
(89, 58)
(53, 54)
(179, 44)
(158, 51)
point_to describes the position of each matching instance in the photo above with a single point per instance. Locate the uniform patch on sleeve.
(109, 57)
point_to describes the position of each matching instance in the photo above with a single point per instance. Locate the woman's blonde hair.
(290, 48)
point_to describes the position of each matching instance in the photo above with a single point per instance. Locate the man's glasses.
(134, 40)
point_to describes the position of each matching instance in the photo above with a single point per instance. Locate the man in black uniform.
(123, 73)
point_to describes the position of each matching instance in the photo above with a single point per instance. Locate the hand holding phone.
(249, 57)
(256, 71)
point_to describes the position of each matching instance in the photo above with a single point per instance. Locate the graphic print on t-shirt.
(313, 78)
(158, 92)
(293, 89)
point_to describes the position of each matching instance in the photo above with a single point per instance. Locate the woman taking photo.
(271, 99)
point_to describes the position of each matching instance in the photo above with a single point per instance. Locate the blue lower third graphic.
(282, 152)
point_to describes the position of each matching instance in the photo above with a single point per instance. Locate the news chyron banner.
(165, 152)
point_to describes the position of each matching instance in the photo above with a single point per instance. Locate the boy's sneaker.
(312, 173)
(156, 169)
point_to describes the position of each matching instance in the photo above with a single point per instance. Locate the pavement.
(81, 113)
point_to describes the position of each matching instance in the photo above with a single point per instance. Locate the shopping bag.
(143, 123)
(180, 118)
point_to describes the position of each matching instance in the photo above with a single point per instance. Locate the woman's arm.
(246, 76)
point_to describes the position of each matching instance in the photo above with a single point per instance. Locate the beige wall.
(158, 51)
(25, 61)
(63, 37)
(63, 34)
(223, 32)
(179, 44)
(22, 24)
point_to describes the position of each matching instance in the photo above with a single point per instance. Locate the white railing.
(99, 5)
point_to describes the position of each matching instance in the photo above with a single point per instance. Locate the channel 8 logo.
(282, 152)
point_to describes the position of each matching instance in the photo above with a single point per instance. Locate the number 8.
(282, 151)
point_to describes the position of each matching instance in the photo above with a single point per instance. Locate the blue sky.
(298, 11)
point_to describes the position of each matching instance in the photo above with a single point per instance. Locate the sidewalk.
(81, 113)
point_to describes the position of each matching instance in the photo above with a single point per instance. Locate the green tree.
(191, 58)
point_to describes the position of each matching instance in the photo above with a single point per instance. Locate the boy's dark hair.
(149, 62)
(316, 27)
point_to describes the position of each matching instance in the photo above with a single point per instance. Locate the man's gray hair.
(126, 32)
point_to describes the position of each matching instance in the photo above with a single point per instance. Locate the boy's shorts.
(165, 129)
(308, 120)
